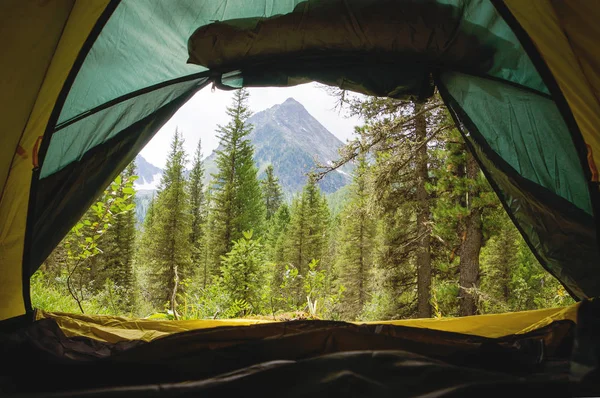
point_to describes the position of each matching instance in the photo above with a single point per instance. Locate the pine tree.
(198, 210)
(272, 193)
(144, 262)
(276, 233)
(499, 261)
(463, 217)
(356, 241)
(98, 248)
(210, 268)
(511, 277)
(423, 252)
(116, 260)
(306, 238)
(400, 135)
(171, 229)
(395, 276)
(275, 247)
(471, 243)
(237, 204)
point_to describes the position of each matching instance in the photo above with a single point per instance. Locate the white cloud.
(199, 117)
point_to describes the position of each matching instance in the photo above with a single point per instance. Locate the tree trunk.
(361, 269)
(469, 252)
(174, 293)
(423, 217)
(507, 259)
(205, 267)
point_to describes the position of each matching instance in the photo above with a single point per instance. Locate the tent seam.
(126, 97)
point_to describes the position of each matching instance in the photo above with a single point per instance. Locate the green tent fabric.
(145, 43)
(525, 128)
(120, 132)
(536, 175)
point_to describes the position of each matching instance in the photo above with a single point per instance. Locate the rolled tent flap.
(385, 48)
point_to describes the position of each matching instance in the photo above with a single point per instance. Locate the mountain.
(148, 174)
(146, 185)
(291, 139)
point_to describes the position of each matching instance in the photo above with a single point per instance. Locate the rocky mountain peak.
(291, 102)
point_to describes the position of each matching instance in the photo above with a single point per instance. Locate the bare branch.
(382, 132)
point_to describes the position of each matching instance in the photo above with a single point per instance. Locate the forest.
(418, 233)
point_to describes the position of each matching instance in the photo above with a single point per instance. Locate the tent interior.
(87, 83)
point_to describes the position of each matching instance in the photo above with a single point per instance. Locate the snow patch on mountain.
(143, 184)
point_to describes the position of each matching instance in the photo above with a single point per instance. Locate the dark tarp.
(298, 357)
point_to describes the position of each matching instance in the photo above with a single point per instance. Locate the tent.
(86, 83)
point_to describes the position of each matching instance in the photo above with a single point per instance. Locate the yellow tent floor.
(113, 329)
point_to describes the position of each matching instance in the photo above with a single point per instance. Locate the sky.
(199, 117)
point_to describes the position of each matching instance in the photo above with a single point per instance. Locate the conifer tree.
(116, 260)
(276, 233)
(171, 229)
(356, 241)
(396, 274)
(271, 191)
(400, 135)
(197, 207)
(86, 258)
(209, 268)
(275, 247)
(464, 202)
(472, 240)
(144, 262)
(237, 203)
(307, 231)
(423, 250)
(499, 262)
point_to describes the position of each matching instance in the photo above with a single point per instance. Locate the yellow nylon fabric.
(494, 325)
(567, 35)
(114, 329)
(30, 32)
(26, 55)
(15, 196)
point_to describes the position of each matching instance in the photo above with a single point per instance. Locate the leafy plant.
(243, 270)
(81, 243)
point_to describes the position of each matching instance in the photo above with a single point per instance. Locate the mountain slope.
(291, 139)
(148, 174)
